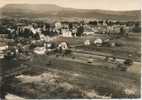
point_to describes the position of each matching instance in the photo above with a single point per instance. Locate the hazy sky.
(84, 4)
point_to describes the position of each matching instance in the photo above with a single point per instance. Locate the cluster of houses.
(47, 31)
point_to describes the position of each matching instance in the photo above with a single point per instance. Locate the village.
(63, 56)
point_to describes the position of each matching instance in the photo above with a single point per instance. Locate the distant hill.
(50, 10)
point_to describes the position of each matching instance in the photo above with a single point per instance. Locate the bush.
(128, 62)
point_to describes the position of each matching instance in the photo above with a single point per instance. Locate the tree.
(128, 62)
(137, 28)
(80, 31)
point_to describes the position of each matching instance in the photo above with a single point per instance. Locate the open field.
(86, 77)
(129, 46)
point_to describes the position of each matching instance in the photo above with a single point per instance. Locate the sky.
(83, 4)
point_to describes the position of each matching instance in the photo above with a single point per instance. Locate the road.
(85, 55)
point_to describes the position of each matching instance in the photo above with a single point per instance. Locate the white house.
(98, 42)
(66, 33)
(63, 45)
(87, 42)
(58, 25)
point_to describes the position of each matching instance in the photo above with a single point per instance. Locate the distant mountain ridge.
(51, 10)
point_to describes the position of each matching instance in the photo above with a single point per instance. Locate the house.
(98, 42)
(74, 31)
(88, 32)
(2, 48)
(87, 42)
(40, 50)
(58, 25)
(66, 33)
(63, 46)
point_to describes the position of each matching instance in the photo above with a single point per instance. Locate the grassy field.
(129, 46)
(87, 77)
